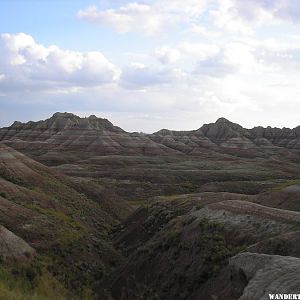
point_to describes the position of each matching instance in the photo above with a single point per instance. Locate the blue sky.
(147, 65)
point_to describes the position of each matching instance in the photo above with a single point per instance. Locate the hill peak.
(223, 121)
(64, 115)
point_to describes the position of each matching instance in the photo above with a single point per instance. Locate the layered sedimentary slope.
(66, 131)
(267, 274)
(226, 134)
(220, 156)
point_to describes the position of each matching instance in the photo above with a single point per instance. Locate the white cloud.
(124, 19)
(140, 76)
(264, 10)
(275, 56)
(231, 58)
(198, 51)
(167, 55)
(146, 18)
(25, 63)
(153, 17)
(244, 16)
(212, 59)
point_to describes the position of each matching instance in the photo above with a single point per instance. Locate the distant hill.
(68, 132)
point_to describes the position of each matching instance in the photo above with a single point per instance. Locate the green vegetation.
(282, 185)
(32, 282)
(69, 229)
(171, 240)
(213, 249)
(137, 203)
(194, 251)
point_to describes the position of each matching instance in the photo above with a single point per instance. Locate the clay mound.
(13, 248)
(253, 276)
(267, 274)
(237, 207)
(247, 223)
(294, 189)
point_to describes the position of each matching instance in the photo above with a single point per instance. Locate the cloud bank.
(27, 64)
(149, 19)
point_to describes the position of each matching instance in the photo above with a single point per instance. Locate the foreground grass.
(34, 282)
(28, 282)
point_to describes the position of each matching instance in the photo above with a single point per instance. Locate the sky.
(151, 64)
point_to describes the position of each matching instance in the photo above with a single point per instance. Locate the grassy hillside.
(65, 221)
